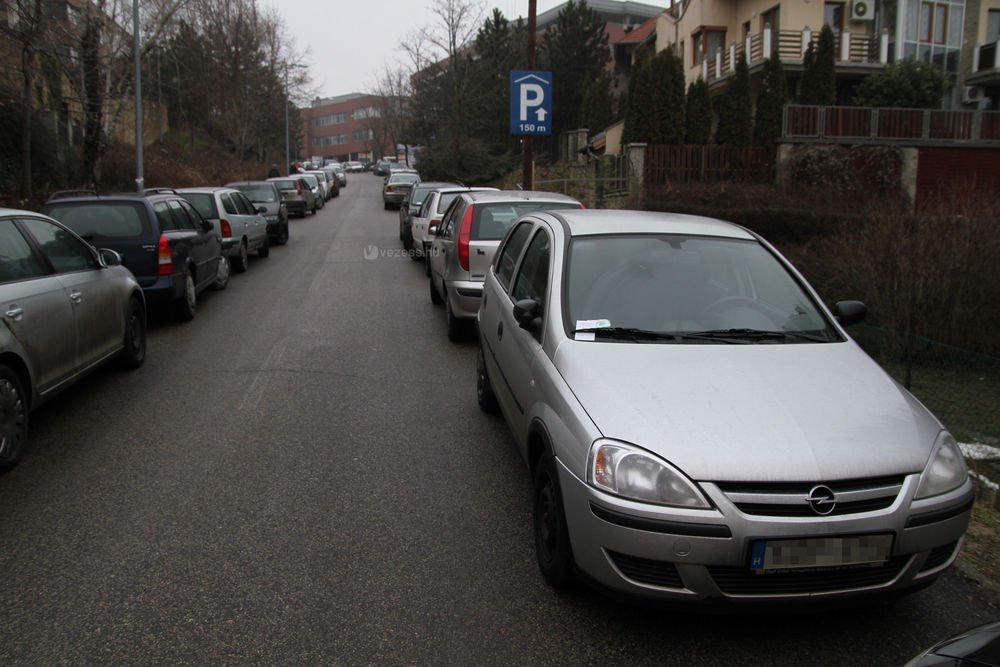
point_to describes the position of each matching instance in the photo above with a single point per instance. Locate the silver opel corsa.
(699, 426)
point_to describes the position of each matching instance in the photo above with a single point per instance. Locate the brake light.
(227, 230)
(464, 236)
(164, 258)
(388, 188)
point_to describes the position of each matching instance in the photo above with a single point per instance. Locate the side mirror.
(109, 257)
(262, 210)
(434, 229)
(206, 226)
(526, 311)
(850, 312)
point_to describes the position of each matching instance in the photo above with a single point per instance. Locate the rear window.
(108, 221)
(261, 194)
(491, 221)
(404, 178)
(285, 184)
(204, 203)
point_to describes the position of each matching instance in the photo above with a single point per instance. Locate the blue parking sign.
(530, 102)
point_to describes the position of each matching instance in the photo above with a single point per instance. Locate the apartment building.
(346, 127)
(960, 36)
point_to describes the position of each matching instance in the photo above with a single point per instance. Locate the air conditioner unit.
(972, 94)
(863, 10)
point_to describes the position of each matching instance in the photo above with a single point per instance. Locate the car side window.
(17, 261)
(179, 214)
(164, 217)
(507, 259)
(66, 252)
(194, 217)
(425, 208)
(448, 221)
(227, 203)
(244, 206)
(532, 281)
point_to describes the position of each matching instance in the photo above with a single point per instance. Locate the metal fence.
(681, 164)
(882, 125)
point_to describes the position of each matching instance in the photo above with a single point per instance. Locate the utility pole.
(139, 177)
(528, 167)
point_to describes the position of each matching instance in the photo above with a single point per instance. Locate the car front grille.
(646, 571)
(743, 581)
(792, 499)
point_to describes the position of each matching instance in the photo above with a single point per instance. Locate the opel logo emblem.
(822, 500)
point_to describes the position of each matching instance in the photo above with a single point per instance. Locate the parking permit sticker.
(589, 324)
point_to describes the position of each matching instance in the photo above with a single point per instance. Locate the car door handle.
(500, 331)
(15, 313)
(76, 296)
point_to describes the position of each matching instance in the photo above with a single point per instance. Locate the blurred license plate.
(773, 555)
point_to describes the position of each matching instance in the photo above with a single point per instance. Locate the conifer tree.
(735, 117)
(771, 100)
(698, 115)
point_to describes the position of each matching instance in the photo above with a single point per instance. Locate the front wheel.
(222, 273)
(552, 547)
(484, 390)
(133, 352)
(13, 419)
(242, 260)
(185, 309)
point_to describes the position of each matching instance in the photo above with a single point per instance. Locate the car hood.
(752, 413)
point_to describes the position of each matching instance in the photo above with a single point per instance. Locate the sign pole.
(527, 166)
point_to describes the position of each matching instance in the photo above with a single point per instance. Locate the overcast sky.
(348, 42)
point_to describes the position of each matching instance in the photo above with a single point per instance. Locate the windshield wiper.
(629, 333)
(752, 335)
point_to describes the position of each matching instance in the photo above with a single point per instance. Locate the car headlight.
(945, 470)
(634, 473)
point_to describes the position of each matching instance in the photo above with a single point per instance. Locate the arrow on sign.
(541, 114)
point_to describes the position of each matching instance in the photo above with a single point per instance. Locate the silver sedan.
(699, 426)
(67, 309)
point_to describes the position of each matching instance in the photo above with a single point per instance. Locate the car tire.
(187, 306)
(458, 329)
(242, 260)
(222, 273)
(435, 297)
(13, 418)
(264, 250)
(552, 546)
(484, 390)
(133, 353)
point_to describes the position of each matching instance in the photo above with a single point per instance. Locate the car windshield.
(728, 288)
(258, 194)
(97, 221)
(204, 202)
(490, 221)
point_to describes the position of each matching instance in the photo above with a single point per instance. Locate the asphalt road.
(301, 476)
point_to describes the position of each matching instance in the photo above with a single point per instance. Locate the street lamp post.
(139, 177)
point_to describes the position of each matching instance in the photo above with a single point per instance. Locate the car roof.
(438, 185)
(118, 197)
(587, 222)
(460, 189)
(235, 183)
(519, 195)
(206, 188)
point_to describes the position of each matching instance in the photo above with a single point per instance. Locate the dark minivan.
(170, 249)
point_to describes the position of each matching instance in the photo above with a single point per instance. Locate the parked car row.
(698, 425)
(78, 279)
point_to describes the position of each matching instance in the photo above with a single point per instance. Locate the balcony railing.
(791, 45)
(812, 123)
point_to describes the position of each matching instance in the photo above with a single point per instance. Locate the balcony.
(913, 127)
(856, 51)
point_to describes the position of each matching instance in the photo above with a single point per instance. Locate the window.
(227, 203)
(66, 252)
(164, 217)
(242, 205)
(533, 278)
(511, 251)
(833, 15)
(449, 224)
(707, 42)
(993, 25)
(184, 214)
(17, 262)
